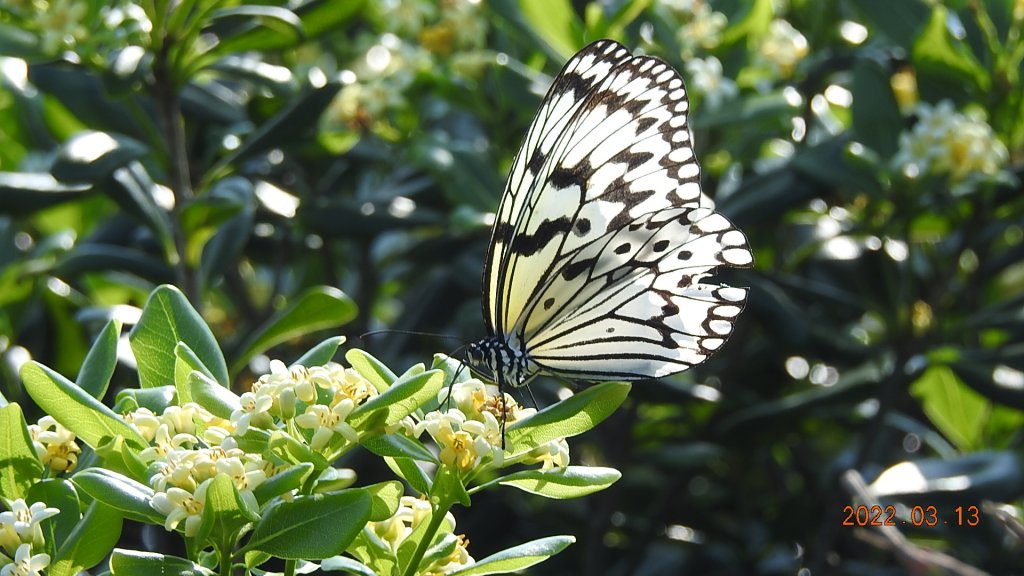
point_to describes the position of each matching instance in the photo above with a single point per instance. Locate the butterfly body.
(603, 237)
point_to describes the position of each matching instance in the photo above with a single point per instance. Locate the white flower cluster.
(189, 446)
(782, 48)
(20, 532)
(54, 444)
(947, 142)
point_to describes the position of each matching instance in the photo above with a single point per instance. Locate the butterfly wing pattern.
(603, 237)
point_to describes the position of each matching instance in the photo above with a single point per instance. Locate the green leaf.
(938, 54)
(281, 20)
(231, 237)
(60, 494)
(185, 363)
(224, 512)
(134, 563)
(20, 468)
(569, 482)
(398, 446)
(518, 557)
(90, 257)
(311, 527)
(119, 457)
(286, 127)
(370, 368)
(202, 218)
(90, 542)
(284, 481)
(401, 399)
(220, 401)
(99, 363)
(169, 318)
(384, 499)
(76, 410)
(92, 156)
(877, 121)
(960, 413)
(23, 193)
(900, 21)
(316, 309)
(406, 469)
(555, 23)
(120, 492)
(322, 353)
(567, 418)
(346, 564)
(317, 17)
(155, 399)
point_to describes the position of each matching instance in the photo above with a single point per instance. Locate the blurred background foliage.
(288, 164)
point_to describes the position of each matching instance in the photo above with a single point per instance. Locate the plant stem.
(168, 101)
(437, 514)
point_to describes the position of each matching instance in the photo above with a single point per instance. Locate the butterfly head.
(507, 364)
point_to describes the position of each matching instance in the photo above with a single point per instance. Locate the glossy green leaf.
(398, 446)
(119, 457)
(408, 470)
(555, 23)
(574, 415)
(401, 399)
(84, 258)
(89, 543)
(224, 512)
(218, 400)
(957, 411)
(569, 482)
(169, 318)
(518, 557)
(99, 363)
(231, 237)
(370, 368)
(289, 479)
(322, 353)
(384, 499)
(317, 17)
(92, 156)
(877, 121)
(347, 565)
(74, 408)
(20, 468)
(938, 53)
(135, 563)
(120, 492)
(311, 527)
(23, 193)
(185, 363)
(318, 308)
(60, 494)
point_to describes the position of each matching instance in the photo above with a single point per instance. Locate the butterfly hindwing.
(632, 304)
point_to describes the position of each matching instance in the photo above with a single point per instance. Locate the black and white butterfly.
(603, 237)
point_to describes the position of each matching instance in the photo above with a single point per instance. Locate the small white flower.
(26, 564)
(783, 48)
(25, 519)
(251, 405)
(177, 505)
(325, 422)
(708, 80)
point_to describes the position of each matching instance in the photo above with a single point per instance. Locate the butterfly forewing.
(600, 241)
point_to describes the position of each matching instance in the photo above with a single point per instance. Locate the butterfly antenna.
(407, 333)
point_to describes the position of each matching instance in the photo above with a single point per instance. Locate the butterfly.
(603, 237)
